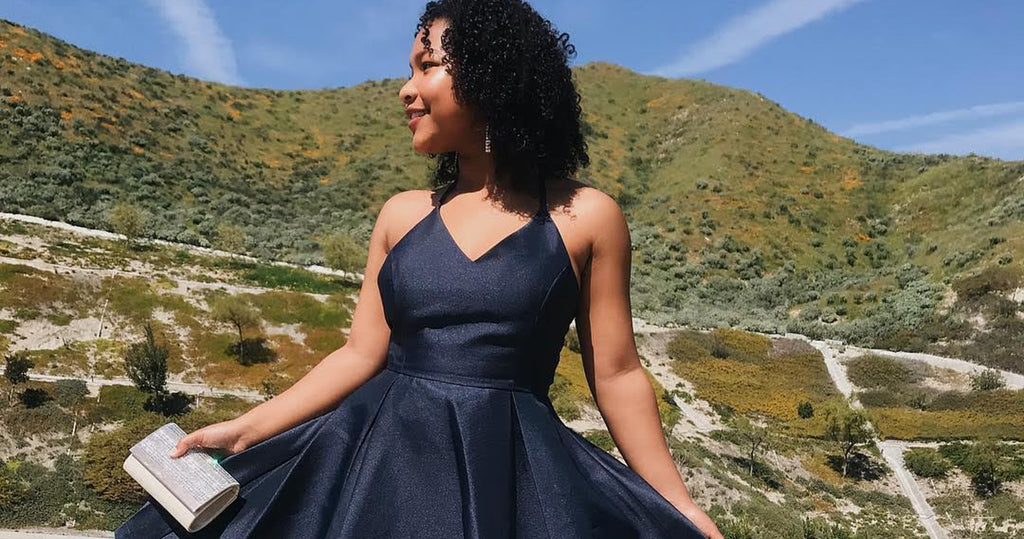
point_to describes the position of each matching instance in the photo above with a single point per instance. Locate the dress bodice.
(499, 320)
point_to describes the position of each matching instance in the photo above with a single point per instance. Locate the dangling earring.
(487, 138)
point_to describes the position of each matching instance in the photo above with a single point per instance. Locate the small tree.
(129, 220)
(756, 438)
(230, 238)
(16, 371)
(237, 312)
(985, 465)
(847, 427)
(71, 394)
(146, 364)
(342, 251)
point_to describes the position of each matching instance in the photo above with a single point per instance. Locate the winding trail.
(204, 390)
(92, 232)
(891, 450)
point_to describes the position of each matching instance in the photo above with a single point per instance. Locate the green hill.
(742, 213)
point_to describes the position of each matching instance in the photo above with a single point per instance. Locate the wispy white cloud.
(208, 52)
(1005, 141)
(911, 122)
(749, 31)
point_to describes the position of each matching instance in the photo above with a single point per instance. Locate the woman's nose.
(405, 94)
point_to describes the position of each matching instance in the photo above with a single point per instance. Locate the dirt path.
(183, 285)
(93, 384)
(892, 451)
(834, 350)
(203, 250)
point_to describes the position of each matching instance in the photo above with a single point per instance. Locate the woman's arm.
(620, 386)
(360, 358)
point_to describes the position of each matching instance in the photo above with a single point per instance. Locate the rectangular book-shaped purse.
(194, 488)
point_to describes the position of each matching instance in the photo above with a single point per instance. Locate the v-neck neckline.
(518, 231)
(451, 239)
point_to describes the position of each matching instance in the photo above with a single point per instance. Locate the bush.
(991, 279)
(927, 462)
(146, 363)
(987, 380)
(874, 371)
(11, 489)
(105, 452)
(117, 403)
(34, 397)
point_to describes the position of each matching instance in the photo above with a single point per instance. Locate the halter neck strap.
(543, 197)
(445, 192)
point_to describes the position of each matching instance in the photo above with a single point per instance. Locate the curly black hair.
(510, 65)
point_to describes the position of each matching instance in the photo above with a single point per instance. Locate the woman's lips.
(415, 120)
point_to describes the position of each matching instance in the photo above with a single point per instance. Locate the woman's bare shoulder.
(588, 207)
(402, 211)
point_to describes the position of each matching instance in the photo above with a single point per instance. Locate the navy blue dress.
(456, 438)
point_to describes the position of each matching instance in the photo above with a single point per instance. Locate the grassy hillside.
(743, 214)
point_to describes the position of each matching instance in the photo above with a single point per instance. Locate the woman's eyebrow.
(420, 53)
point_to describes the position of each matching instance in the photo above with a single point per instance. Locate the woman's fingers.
(184, 443)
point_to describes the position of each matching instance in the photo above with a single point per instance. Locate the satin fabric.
(456, 437)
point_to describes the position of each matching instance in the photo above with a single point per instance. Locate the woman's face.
(446, 126)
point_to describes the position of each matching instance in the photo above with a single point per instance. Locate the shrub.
(991, 279)
(987, 380)
(104, 453)
(874, 371)
(146, 364)
(927, 462)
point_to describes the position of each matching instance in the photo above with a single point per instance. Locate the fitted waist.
(462, 380)
(512, 372)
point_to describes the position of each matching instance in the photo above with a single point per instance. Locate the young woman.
(433, 420)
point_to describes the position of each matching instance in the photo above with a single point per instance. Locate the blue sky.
(907, 75)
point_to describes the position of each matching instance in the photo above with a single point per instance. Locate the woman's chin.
(424, 149)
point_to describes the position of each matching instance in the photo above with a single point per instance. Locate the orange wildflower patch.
(28, 55)
(65, 115)
(850, 179)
